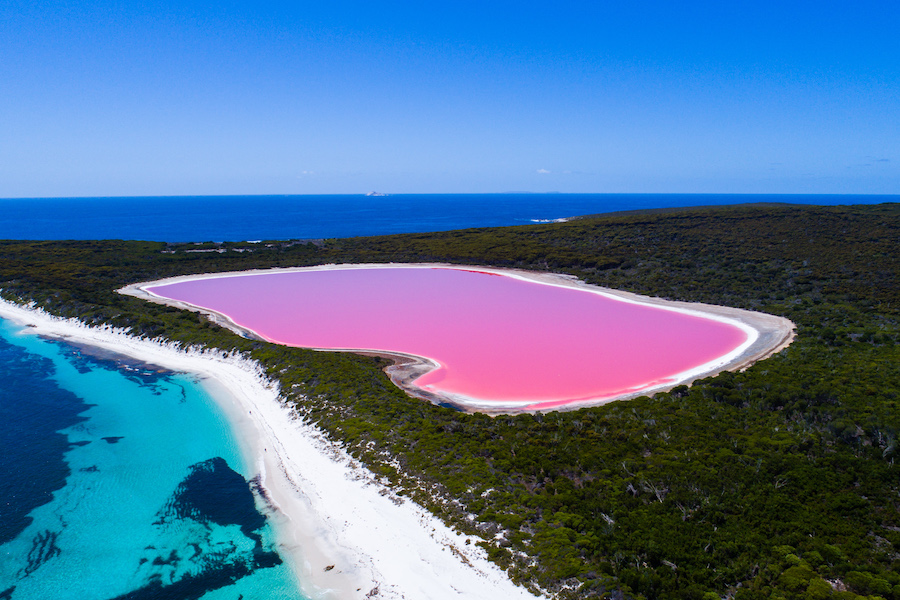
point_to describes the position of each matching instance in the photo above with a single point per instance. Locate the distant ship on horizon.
(376, 194)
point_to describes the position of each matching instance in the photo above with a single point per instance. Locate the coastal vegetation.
(776, 482)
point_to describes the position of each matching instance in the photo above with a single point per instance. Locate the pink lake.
(498, 339)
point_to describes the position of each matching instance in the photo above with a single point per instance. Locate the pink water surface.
(497, 338)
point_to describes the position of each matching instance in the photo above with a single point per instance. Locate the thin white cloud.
(543, 171)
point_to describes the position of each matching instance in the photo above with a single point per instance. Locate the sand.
(346, 533)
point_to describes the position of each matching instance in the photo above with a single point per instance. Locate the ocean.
(246, 218)
(122, 481)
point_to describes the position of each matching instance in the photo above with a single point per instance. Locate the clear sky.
(232, 97)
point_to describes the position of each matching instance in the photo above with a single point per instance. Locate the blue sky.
(230, 97)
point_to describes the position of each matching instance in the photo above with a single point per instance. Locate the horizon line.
(510, 193)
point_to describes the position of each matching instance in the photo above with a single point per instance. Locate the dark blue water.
(34, 410)
(242, 218)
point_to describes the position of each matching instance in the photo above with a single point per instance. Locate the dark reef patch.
(85, 358)
(43, 548)
(192, 586)
(214, 493)
(113, 439)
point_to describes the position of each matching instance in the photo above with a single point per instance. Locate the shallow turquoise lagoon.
(142, 491)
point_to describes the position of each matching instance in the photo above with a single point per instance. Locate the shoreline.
(346, 534)
(767, 334)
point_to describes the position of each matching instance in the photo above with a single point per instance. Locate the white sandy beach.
(347, 535)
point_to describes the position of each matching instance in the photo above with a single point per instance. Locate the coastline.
(766, 335)
(345, 532)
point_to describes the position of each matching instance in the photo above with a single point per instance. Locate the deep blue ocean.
(121, 481)
(245, 218)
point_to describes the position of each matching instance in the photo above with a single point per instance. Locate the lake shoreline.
(766, 335)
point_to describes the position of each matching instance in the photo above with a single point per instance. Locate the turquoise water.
(154, 502)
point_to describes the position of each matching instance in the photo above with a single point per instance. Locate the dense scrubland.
(776, 482)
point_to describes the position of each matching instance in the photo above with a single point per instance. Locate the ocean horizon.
(249, 218)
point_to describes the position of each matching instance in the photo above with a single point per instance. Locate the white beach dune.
(347, 534)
